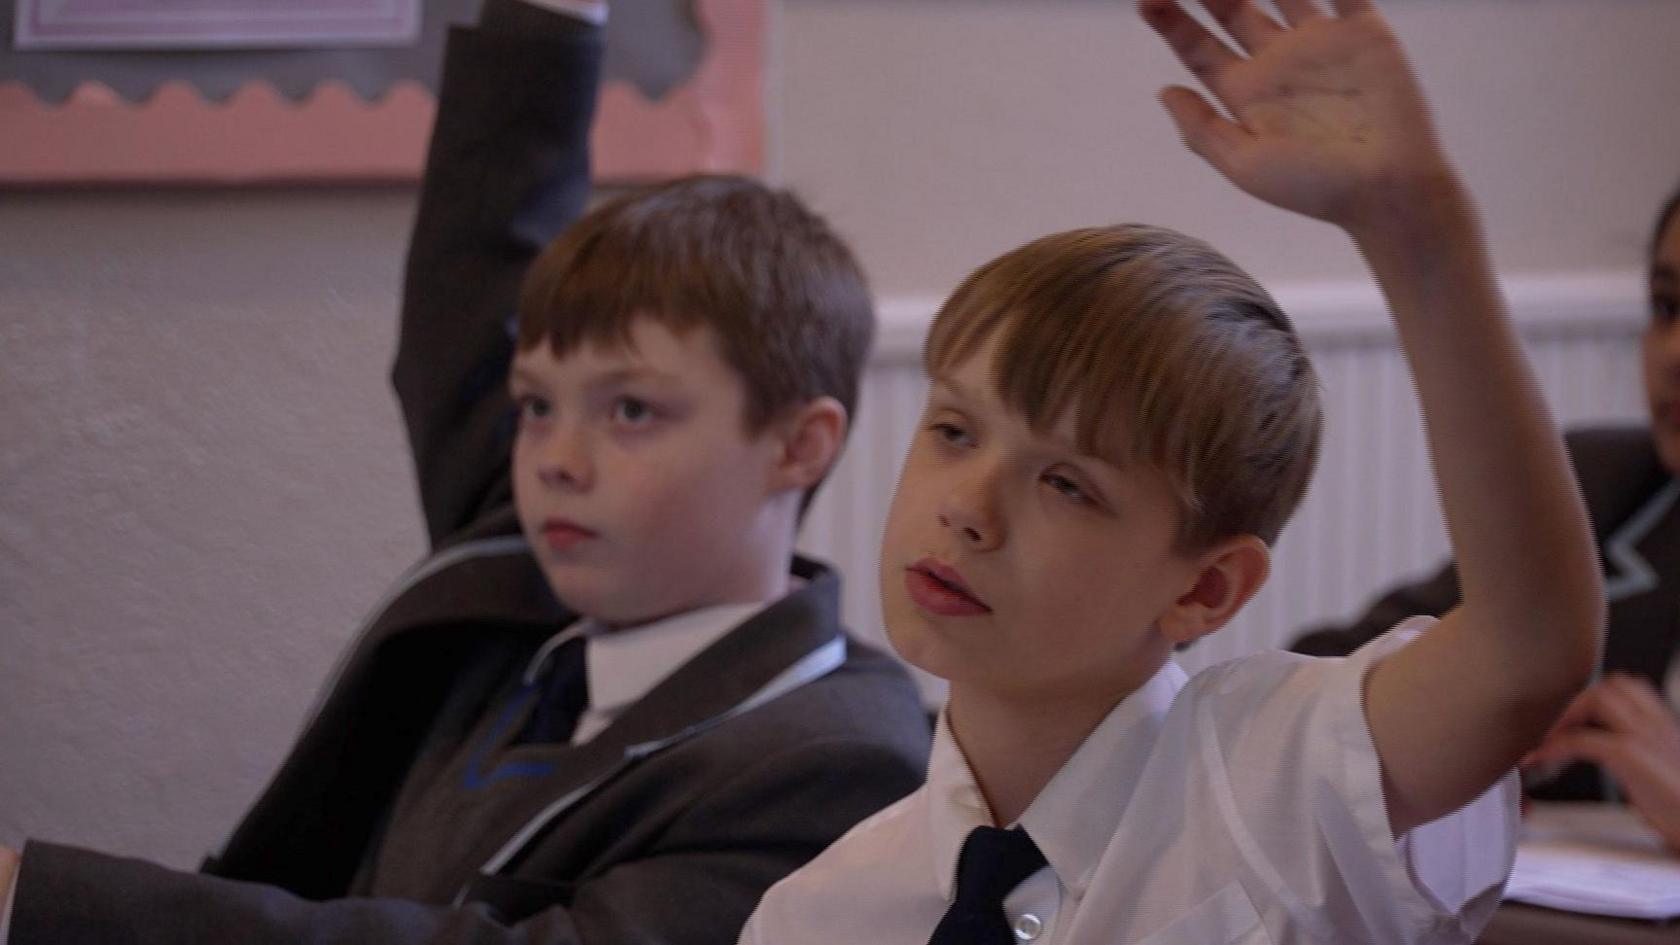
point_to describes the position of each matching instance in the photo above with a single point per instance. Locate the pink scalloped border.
(715, 123)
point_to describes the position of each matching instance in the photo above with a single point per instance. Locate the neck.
(1016, 741)
(1015, 745)
(771, 549)
(761, 577)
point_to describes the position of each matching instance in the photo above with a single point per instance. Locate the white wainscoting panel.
(1372, 516)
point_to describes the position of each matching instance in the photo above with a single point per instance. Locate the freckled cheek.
(1655, 362)
(894, 533)
(678, 500)
(524, 482)
(915, 506)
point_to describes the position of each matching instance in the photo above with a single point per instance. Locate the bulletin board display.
(176, 24)
(711, 119)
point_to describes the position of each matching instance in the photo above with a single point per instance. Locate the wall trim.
(1349, 310)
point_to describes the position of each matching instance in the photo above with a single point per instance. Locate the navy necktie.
(562, 697)
(992, 863)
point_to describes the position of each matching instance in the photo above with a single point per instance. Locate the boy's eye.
(949, 433)
(531, 407)
(632, 411)
(1066, 487)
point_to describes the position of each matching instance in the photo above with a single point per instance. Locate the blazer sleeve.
(698, 889)
(1432, 596)
(506, 171)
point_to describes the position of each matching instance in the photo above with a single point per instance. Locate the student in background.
(1623, 730)
(613, 705)
(1119, 423)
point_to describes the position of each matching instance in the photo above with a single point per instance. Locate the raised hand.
(1329, 120)
(1623, 726)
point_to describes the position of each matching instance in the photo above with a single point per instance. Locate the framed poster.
(691, 102)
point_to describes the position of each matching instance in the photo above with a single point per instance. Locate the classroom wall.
(202, 482)
(942, 132)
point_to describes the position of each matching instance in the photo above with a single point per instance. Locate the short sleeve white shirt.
(1243, 806)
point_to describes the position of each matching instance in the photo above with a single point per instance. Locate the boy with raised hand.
(614, 707)
(1120, 422)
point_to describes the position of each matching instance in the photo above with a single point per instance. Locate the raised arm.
(1330, 122)
(507, 170)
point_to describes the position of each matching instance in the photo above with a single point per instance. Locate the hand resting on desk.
(1623, 725)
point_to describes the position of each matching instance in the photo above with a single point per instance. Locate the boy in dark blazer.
(612, 705)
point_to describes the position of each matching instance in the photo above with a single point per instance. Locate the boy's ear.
(810, 437)
(1230, 574)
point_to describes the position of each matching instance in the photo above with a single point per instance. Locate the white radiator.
(1371, 517)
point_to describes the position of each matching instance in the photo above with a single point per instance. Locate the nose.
(564, 458)
(971, 510)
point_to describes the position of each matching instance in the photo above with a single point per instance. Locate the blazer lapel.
(713, 683)
(1651, 602)
(739, 664)
(480, 598)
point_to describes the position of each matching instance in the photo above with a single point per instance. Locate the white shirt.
(625, 665)
(1239, 808)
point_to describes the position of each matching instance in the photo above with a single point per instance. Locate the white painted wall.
(202, 481)
(939, 133)
(202, 484)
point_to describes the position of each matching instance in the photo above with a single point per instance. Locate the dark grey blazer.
(1636, 522)
(665, 828)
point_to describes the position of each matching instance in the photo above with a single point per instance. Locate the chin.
(915, 643)
(585, 596)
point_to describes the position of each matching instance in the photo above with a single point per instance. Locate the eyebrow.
(951, 384)
(518, 375)
(1065, 443)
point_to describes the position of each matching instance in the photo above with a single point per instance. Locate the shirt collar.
(1077, 812)
(624, 665)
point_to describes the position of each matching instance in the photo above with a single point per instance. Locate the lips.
(939, 589)
(559, 534)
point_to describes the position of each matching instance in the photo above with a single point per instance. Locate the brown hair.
(788, 302)
(1167, 353)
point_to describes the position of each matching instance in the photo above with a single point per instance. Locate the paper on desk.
(1596, 859)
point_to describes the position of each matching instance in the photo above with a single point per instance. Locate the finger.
(1645, 778)
(1582, 710)
(1296, 12)
(1619, 707)
(1605, 705)
(1640, 696)
(1351, 7)
(1201, 52)
(1583, 744)
(1250, 26)
(1206, 132)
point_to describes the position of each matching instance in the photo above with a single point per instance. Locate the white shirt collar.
(625, 665)
(1077, 813)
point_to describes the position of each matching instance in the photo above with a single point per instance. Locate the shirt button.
(1027, 927)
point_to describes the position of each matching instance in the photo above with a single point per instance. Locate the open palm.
(1329, 120)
